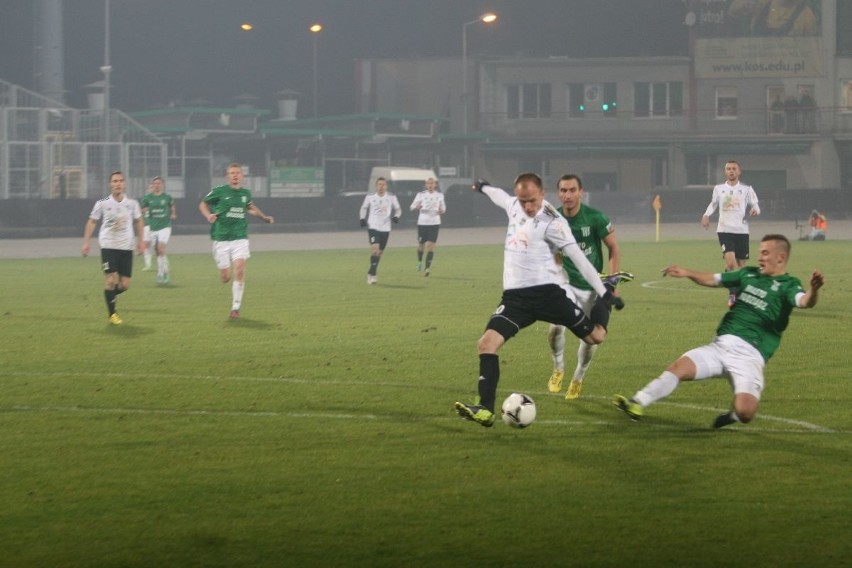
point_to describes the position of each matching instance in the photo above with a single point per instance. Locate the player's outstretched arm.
(497, 196)
(702, 278)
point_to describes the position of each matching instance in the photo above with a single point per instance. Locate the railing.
(627, 124)
(48, 150)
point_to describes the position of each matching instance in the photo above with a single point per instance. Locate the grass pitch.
(318, 429)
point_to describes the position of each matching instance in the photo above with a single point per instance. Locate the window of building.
(658, 99)
(776, 117)
(595, 99)
(528, 100)
(726, 102)
(846, 95)
(844, 29)
(698, 168)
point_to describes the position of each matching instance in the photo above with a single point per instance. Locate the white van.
(402, 181)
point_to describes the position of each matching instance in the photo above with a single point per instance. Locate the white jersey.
(380, 209)
(733, 202)
(117, 219)
(531, 242)
(432, 205)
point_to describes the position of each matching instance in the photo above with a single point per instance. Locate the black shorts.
(427, 233)
(522, 307)
(115, 260)
(379, 238)
(736, 243)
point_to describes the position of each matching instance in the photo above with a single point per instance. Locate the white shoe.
(371, 279)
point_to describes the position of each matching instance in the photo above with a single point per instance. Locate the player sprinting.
(159, 211)
(226, 208)
(121, 227)
(590, 227)
(430, 203)
(749, 334)
(534, 287)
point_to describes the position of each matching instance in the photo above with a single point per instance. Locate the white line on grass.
(806, 426)
(170, 412)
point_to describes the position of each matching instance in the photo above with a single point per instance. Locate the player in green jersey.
(226, 208)
(747, 337)
(590, 228)
(159, 211)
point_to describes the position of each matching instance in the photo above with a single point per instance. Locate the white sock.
(161, 265)
(556, 340)
(165, 263)
(659, 388)
(237, 289)
(147, 256)
(584, 359)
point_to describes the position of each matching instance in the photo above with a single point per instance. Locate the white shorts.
(583, 298)
(160, 236)
(226, 252)
(731, 357)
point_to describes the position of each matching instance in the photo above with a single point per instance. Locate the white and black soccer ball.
(518, 410)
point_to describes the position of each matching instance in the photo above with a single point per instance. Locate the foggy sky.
(168, 50)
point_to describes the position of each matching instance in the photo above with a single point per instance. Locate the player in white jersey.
(535, 288)
(378, 210)
(121, 229)
(430, 203)
(736, 202)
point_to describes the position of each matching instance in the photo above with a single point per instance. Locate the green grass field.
(318, 430)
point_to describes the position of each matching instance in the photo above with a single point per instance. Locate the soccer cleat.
(574, 390)
(235, 315)
(146, 268)
(616, 278)
(475, 413)
(167, 279)
(426, 272)
(159, 278)
(628, 406)
(555, 382)
(723, 420)
(115, 320)
(419, 266)
(371, 279)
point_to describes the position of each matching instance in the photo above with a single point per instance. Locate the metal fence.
(51, 151)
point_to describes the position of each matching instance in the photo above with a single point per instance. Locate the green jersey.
(159, 210)
(762, 310)
(231, 205)
(589, 227)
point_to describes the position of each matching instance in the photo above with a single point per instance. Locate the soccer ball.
(518, 410)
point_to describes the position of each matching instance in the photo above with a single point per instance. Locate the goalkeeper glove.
(479, 183)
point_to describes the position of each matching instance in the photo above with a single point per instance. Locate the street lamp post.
(486, 18)
(106, 69)
(315, 30)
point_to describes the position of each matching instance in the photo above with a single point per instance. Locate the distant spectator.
(819, 226)
(791, 112)
(776, 115)
(807, 110)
